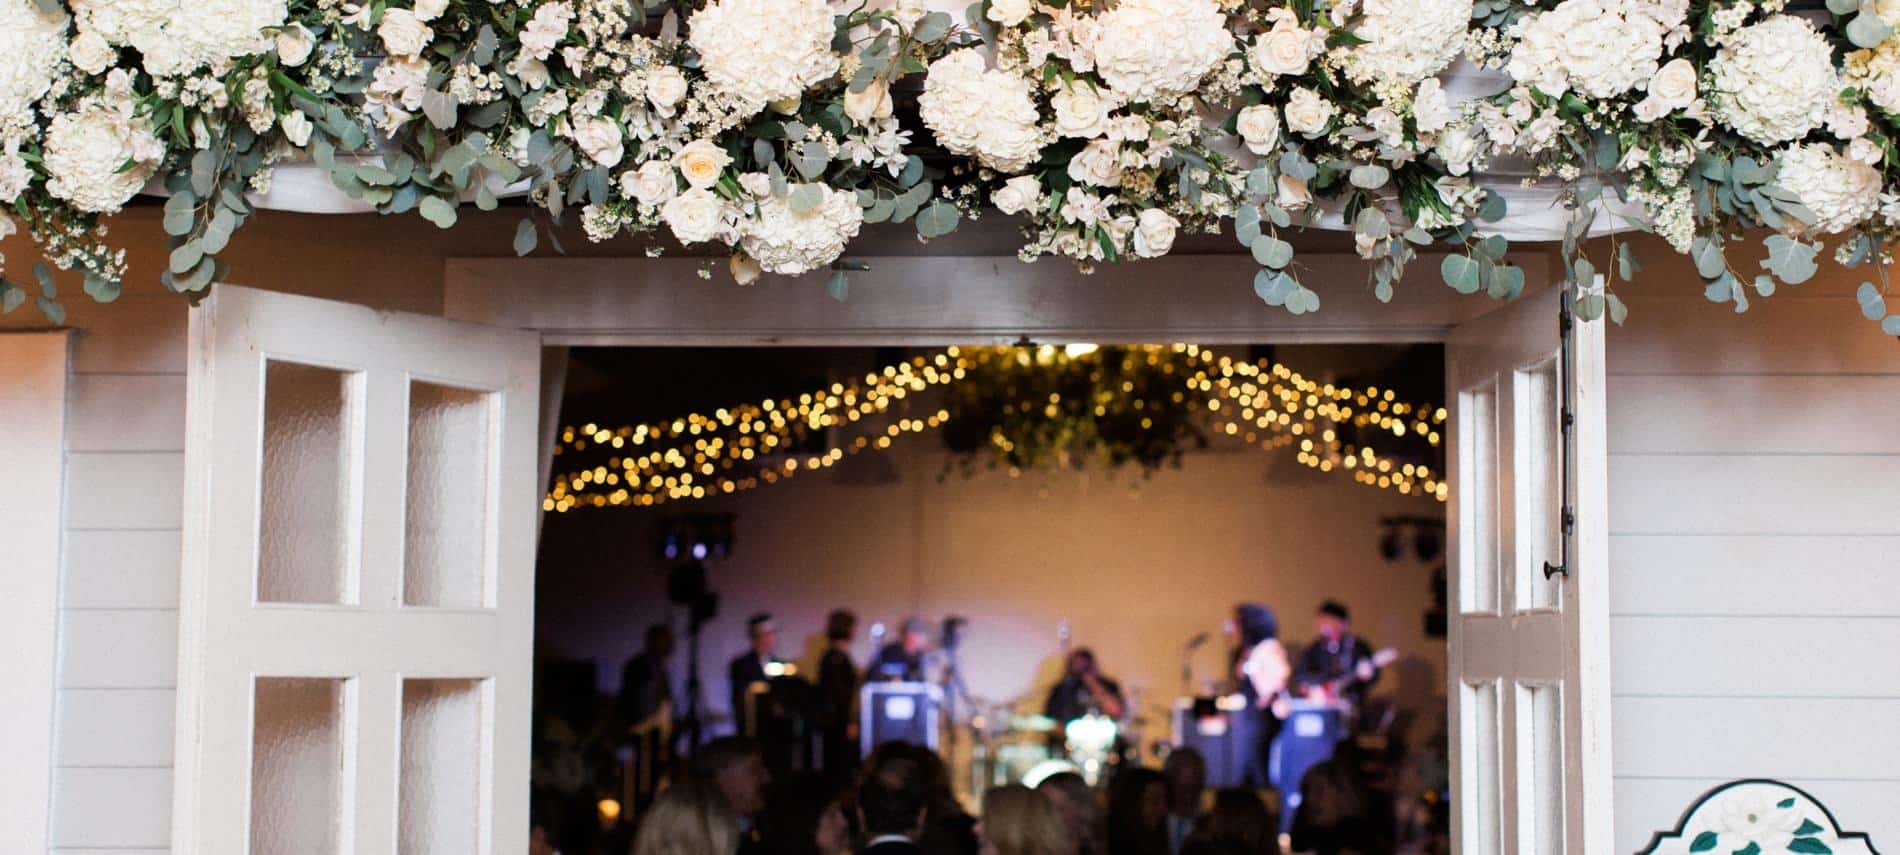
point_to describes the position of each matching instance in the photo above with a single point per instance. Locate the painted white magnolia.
(356, 605)
(1529, 649)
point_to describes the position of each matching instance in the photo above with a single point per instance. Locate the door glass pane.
(1481, 766)
(1478, 499)
(446, 536)
(1539, 486)
(308, 495)
(439, 801)
(297, 766)
(1540, 779)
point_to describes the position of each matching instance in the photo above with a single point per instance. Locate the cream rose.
(1098, 163)
(871, 102)
(1259, 128)
(701, 162)
(1017, 195)
(1674, 84)
(429, 10)
(666, 88)
(695, 215)
(403, 33)
(294, 44)
(1081, 110)
(296, 127)
(1307, 112)
(1293, 193)
(1282, 50)
(601, 140)
(651, 185)
(90, 53)
(1009, 13)
(1154, 232)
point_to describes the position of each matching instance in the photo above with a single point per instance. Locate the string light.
(730, 450)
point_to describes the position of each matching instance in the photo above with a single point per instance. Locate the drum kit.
(1012, 748)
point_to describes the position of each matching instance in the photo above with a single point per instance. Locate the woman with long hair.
(1020, 821)
(1081, 811)
(688, 820)
(1261, 669)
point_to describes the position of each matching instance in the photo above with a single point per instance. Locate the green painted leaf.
(937, 220)
(1809, 846)
(1808, 827)
(1873, 305)
(1460, 272)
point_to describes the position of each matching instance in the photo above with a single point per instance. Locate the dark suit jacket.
(743, 672)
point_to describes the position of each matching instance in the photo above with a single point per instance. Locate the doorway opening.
(1022, 503)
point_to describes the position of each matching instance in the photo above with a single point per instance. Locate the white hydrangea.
(975, 111)
(14, 175)
(180, 36)
(1406, 41)
(87, 148)
(1150, 50)
(1774, 80)
(789, 243)
(760, 51)
(1840, 191)
(31, 42)
(1601, 48)
(1877, 73)
(119, 22)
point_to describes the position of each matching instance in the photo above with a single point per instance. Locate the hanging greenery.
(775, 129)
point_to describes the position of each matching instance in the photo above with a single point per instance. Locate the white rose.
(1282, 50)
(1431, 110)
(90, 53)
(695, 215)
(701, 162)
(1259, 128)
(1018, 194)
(666, 88)
(1459, 147)
(403, 33)
(651, 185)
(1307, 113)
(429, 10)
(745, 271)
(601, 140)
(1009, 13)
(297, 128)
(1673, 87)
(1098, 163)
(294, 44)
(871, 102)
(532, 73)
(1081, 110)
(1293, 193)
(1154, 232)
(908, 12)
(757, 183)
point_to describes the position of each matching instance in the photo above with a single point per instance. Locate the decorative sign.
(1758, 817)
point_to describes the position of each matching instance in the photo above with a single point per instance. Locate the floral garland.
(776, 129)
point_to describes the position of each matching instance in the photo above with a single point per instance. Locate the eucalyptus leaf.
(838, 286)
(1617, 311)
(1369, 176)
(526, 237)
(812, 158)
(806, 198)
(937, 220)
(440, 107)
(1867, 30)
(1247, 224)
(934, 26)
(204, 172)
(1873, 305)
(180, 214)
(1460, 272)
(53, 311)
(1272, 252)
(1707, 255)
(103, 289)
(1792, 261)
(186, 256)
(438, 210)
(218, 232)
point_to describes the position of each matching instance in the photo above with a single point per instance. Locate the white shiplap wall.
(119, 598)
(1755, 532)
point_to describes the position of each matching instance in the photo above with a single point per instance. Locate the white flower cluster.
(1877, 73)
(1601, 48)
(89, 149)
(1405, 41)
(1841, 192)
(980, 112)
(31, 42)
(761, 51)
(1774, 80)
(787, 242)
(176, 37)
(1153, 50)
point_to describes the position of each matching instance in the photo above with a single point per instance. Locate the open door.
(1529, 578)
(357, 608)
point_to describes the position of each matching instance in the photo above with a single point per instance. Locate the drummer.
(1083, 690)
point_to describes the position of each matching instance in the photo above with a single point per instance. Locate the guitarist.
(1338, 665)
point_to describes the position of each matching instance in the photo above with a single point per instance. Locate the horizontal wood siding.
(1754, 482)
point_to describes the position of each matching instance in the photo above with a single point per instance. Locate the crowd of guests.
(901, 803)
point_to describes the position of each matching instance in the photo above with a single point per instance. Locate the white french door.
(1529, 663)
(357, 607)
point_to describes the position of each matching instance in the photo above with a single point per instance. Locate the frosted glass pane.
(1540, 487)
(297, 762)
(440, 796)
(447, 531)
(306, 520)
(1478, 569)
(1481, 761)
(1540, 779)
